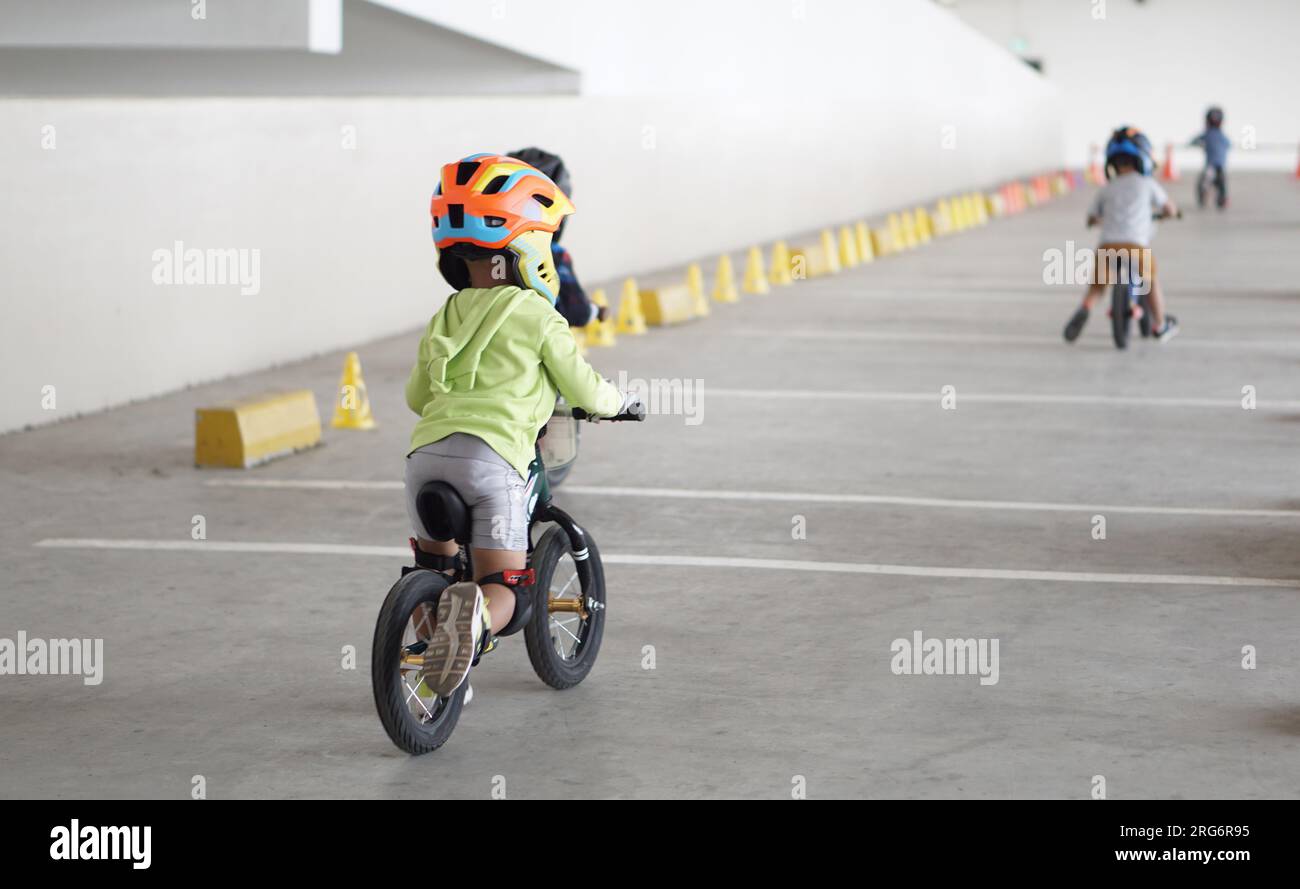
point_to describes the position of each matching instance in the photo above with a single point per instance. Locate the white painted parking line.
(977, 339)
(798, 497)
(305, 484)
(934, 502)
(224, 546)
(670, 561)
(966, 397)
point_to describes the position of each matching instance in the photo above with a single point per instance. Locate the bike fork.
(577, 539)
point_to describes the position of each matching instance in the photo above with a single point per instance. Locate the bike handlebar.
(579, 414)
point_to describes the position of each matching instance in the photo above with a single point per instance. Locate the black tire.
(415, 736)
(551, 665)
(1119, 315)
(1144, 323)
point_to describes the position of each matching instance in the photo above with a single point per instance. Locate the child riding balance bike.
(490, 366)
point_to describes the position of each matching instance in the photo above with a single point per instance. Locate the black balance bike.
(1128, 297)
(563, 610)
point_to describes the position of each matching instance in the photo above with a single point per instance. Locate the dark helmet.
(1130, 143)
(550, 164)
(1214, 117)
(553, 166)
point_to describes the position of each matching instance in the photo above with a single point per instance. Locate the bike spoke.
(565, 588)
(558, 625)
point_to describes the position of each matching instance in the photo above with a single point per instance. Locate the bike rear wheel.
(563, 636)
(416, 723)
(1120, 313)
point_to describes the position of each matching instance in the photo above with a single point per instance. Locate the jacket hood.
(459, 335)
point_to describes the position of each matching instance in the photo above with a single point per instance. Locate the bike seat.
(443, 512)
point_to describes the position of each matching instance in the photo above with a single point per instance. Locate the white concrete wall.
(344, 234)
(386, 53)
(1159, 65)
(265, 24)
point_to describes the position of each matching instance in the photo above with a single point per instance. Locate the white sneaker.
(469, 694)
(459, 627)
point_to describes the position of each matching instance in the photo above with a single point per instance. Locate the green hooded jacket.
(490, 364)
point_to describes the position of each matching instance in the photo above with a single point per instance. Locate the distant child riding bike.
(1124, 207)
(1216, 146)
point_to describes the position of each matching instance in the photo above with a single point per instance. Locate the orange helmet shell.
(489, 199)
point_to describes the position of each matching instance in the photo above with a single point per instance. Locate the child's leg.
(1156, 302)
(1092, 294)
(1221, 185)
(500, 598)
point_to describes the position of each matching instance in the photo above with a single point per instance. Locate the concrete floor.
(227, 664)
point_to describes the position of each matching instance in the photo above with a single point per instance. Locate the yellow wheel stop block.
(672, 304)
(246, 433)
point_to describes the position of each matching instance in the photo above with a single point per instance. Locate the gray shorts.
(495, 493)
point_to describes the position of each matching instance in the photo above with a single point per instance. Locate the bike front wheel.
(416, 720)
(1120, 315)
(563, 636)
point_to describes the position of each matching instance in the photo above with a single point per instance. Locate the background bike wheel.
(415, 723)
(1119, 315)
(562, 645)
(555, 477)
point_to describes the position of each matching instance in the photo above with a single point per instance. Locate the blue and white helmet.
(1132, 143)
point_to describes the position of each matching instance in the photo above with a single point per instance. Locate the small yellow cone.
(895, 226)
(862, 234)
(880, 242)
(924, 233)
(755, 276)
(781, 276)
(910, 239)
(695, 284)
(631, 320)
(352, 406)
(724, 287)
(942, 217)
(830, 251)
(600, 333)
(848, 248)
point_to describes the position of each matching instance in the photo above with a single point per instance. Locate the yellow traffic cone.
(781, 276)
(352, 407)
(848, 248)
(695, 284)
(755, 276)
(724, 287)
(923, 231)
(895, 226)
(909, 230)
(829, 251)
(631, 320)
(862, 234)
(942, 217)
(600, 333)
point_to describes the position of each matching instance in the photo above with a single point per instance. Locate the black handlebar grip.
(634, 415)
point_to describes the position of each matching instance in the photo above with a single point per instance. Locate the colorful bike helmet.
(491, 204)
(553, 166)
(1129, 142)
(1214, 117)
